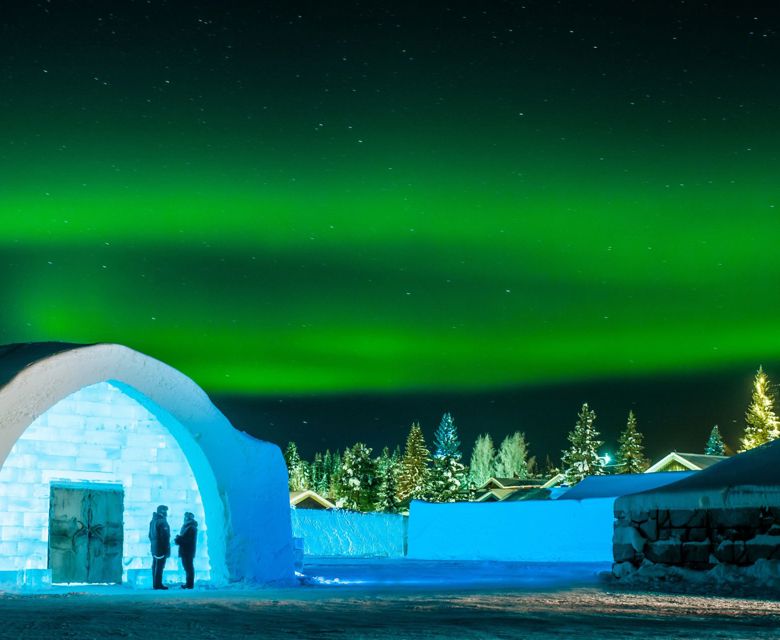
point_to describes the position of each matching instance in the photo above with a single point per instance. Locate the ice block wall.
(527, 531)
(339, 533)
(98, 434)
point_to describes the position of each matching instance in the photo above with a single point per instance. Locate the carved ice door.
(86, 533)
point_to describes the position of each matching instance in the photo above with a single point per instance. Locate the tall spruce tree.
(319, 478)
(512, 459)
(334, 476)
(631, 450)
(445, 439)
(297, 471)
(483, 461)
(581, 459)
(715, 445)
(447, 475)
(761, 423)
(413, 474)
(358, 478)
(387, 471)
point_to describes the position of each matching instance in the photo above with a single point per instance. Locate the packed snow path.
(314, 613)
(393, 599)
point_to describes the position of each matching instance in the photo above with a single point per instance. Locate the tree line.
(356, 479)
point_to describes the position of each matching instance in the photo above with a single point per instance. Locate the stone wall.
(695, 538)
(98, 434)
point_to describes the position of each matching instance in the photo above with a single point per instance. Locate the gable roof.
(497, 494)
(692, 461)
(296, 497)
(529, 494)
(509, 483)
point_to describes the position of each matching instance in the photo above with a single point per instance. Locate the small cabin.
(675, 461)
(309, 500)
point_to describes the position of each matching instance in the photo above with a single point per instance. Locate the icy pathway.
(525, 607)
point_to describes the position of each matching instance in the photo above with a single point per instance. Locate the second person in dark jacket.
(188, 542)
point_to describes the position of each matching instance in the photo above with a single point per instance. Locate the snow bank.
(622, 484)
(529, 531)
(762, 576)
(338, 532)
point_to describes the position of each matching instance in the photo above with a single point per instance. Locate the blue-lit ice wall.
(337, 533)
(98, 434)
(525, 531)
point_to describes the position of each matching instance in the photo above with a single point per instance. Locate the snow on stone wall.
(527, 531)
(338, 532)
(98, 434)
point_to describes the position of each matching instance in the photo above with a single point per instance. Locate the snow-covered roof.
(536, 493)
(296, 497)
(621, 484)
(744, 480)
(556, 480)
(510, 483)
(692, 461)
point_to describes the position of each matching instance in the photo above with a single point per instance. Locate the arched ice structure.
(105, 415)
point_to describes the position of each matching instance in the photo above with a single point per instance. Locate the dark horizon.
(674, 413)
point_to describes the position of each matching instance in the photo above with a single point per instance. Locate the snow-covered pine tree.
(761, 423)
(581, 459)
(413, 474)
(334, 476)
(631, 450)
(483, 461)
(319, 478)
(512, 458)
(445, 440)
(447, 476)
(387, 471)
(297, 470)
(358, 478)
(327, 471)
(715, 445)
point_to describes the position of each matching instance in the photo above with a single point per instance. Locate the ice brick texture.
(339, 533)
(98, 434)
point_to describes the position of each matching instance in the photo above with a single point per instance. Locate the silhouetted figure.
(188, 541)
(160, 537)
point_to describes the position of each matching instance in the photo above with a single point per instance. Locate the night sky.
(341, 217)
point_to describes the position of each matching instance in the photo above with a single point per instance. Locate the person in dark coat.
(188, 541)
(160, 539)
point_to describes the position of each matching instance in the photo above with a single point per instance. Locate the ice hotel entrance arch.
(141, 426)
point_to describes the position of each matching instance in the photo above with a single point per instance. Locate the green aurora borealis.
(275, 206)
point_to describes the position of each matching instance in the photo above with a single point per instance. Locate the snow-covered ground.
(394, 599)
